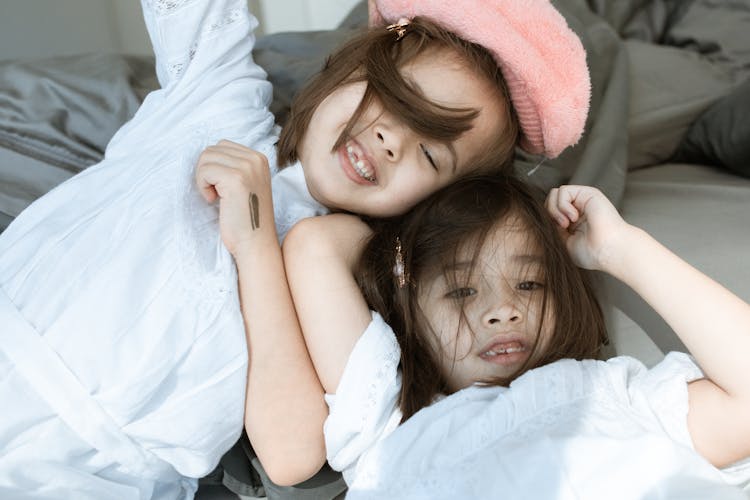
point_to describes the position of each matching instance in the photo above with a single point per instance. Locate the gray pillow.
(57, 116)
(721, 135)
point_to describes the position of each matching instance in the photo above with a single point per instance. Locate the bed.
(668, 140)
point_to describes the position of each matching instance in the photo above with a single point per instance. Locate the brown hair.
(376, 57)
(431, 235)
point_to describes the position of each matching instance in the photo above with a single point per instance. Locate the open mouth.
(359, 161)
(500, 350)
(505, 352)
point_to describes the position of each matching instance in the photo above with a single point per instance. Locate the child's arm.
(319, 254)
(713, 323)
(284, 407)
(209, 81)
(355, 353)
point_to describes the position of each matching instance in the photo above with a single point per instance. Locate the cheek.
(548, 325)
(442, 326)
(456, 338)
(405, 191)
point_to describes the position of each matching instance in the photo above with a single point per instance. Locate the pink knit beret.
(541, 58)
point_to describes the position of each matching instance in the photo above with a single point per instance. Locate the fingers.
(206, 187)
(567, 204)
(215, 179)
(559, 207)
(233, 155)
(228, 167)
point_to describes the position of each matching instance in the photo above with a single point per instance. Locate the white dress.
(122, 350)
(568, 430)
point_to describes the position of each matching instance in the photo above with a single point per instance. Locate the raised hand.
(240, 179)
(594, 232)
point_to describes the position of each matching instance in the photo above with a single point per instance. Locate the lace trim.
(388, 367)
(198, 229)
(175, 70)
(228, 18)
(165, 7)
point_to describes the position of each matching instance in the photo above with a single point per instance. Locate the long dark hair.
(376, 57)
(431, 236)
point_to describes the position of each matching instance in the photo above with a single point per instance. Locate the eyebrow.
(449, 145)
(527, 258)
(521, 258)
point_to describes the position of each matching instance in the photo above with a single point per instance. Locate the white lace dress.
(122, 350)
(568, 430)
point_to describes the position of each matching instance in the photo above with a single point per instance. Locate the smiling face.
(501, 299)
(384, 167)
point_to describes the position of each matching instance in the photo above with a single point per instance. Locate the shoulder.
(292, 202)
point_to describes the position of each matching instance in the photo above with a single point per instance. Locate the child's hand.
(240, 178)
(593, 229)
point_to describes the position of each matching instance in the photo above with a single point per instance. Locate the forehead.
(445, 79)
(508, 248)
(508, 245)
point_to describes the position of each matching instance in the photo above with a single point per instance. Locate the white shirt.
(122, 349)
(568, 430)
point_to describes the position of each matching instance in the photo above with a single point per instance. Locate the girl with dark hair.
(457, 346)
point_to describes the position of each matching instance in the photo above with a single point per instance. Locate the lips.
(505, 350)
(355, 157)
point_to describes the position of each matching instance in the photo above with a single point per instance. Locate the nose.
(503, 314)
(390, 140)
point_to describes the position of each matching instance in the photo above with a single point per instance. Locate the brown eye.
(528, 286)
(461, 293)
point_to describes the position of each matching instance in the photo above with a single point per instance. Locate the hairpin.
(399, 268)
(399, 27)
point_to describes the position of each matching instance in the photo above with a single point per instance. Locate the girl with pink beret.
(120, 290)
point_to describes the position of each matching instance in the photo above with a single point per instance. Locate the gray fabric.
(327, 484)
(702, 214)
(241, 475)
(64, 110)
(56, 117)
(662, 107)
(684, 56)
(290, 59)
(24, 179)
(600, 158)
(721, 135)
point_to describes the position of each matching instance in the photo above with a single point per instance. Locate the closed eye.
(429, 157)
(461, 293)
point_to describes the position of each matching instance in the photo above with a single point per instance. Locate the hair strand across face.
(377, 58)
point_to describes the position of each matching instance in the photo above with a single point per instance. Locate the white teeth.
(359, 165)
(509, 350)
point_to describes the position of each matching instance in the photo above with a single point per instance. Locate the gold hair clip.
(399, 27)
(399, 268)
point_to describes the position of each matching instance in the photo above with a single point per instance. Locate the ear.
(375, 18)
